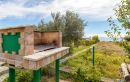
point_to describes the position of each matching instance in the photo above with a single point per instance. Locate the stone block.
(26, 64)
(39, 63)
(1, 40)
(9, 61)
(32, 65)
(13, 33)
(21, 41)
(3, 59)
(29, 49)
(18, 64)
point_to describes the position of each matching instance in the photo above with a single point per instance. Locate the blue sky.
(24, 12)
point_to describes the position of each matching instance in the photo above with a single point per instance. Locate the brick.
(1, 55)
(9, 61)
(6, 55)
(21, 52)
(13, 33)
(1, 51)
(11, 57)
(18, 64)
(32, 65)
(13, 53)
(29, 49)
(18, 57)
(5, 33)
(3, 59)
(22, 35)
(21, 41)
(26, 64)
(58, 55)
(46, 60)
(1, 40)
(0, 35)
(52, 58)
(39, 63)
(29, 29)
(1, 45)
(29, 39)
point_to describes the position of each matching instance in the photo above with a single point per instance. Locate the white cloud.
(92, 9)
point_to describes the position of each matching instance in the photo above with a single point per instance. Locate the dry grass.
(110, 48)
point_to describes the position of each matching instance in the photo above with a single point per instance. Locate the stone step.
(2, 77)
(3, 70)
(2, 63)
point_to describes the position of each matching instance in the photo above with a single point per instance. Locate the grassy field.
(108, 58)
(76, 49)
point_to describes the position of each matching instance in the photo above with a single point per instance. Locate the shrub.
(127, 38)
(21, 76)
(96, 38)
(87, 74)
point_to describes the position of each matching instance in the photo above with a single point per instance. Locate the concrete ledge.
(37, 60)
(43, 58)
(43, 54)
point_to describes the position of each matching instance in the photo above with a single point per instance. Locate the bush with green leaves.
(22, 76)
(107, 63)
(87, 74)
(95, 39)
(127, 38)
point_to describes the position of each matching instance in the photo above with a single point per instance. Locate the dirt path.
(73, 55)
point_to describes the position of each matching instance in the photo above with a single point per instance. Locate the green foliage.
(126, 46)
(87, 74)
(115, 31)
(106, 65)
(123, 16)
(96, 38)
(123, 13)
(25, 76)
(85, 42)
(70, 24)
(127, 38)
(126, 43)
(21, 76)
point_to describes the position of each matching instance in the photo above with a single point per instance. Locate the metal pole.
(93, 55)
(36, 75)
(57, 65)
(11, 74)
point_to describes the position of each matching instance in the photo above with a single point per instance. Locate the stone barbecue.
(22, 47)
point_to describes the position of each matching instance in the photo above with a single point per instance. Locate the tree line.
(70, 24)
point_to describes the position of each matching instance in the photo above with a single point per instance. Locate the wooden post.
(37, 75)
(11, 74)
(57, 70)
(125, 72)
(93, 55)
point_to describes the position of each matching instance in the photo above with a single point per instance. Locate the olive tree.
(70, 24)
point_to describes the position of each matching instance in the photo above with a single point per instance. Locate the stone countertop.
(43, 54)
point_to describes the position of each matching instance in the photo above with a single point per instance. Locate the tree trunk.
(125, 72)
